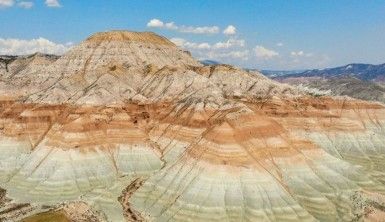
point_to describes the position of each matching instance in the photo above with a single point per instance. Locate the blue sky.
(268, 34)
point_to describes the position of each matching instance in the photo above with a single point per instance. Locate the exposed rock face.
(142, 135)
(18, 65)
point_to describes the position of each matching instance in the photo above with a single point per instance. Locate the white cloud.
(262, 52)
(23, 47)
(301, 54)
(52, 3)
(190, 45)
(69, 44)
(6, 3)
(238, 52)
(178, 41)
(171, 25)
(199, 30)
(243, 54)
(230, 43)
(26, 5)
(204, 46)
(279, 44)
(156, 23)
(225, 51)
(21, 4)
(230, 30)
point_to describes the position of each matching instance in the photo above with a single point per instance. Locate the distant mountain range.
(361, 71)
(277, 73)
(361, 81)
(208, 62)
(366, 72)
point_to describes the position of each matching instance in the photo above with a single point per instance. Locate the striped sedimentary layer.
(282, 160)
(58, 153)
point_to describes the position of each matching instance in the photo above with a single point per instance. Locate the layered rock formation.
(138, 130)
(11, 66)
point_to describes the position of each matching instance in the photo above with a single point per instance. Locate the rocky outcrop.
(140, 135)
(11, 66)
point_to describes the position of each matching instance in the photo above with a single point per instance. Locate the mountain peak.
(128, 36)
(104, 51)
